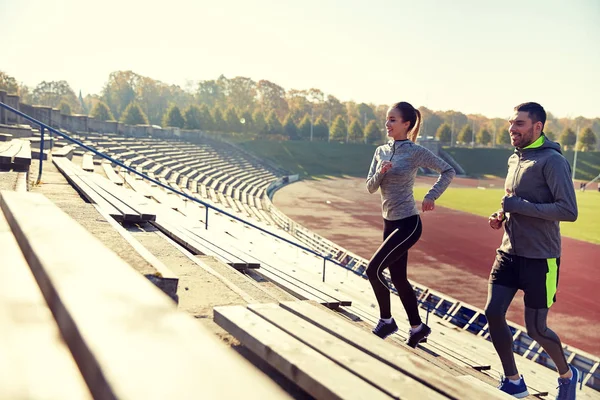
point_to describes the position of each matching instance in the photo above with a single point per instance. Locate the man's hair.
(536, 112)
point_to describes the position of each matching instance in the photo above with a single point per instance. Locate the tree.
(338, 129)
(373, 133)
(133, 115)
(431, 122)
(298, 103)
(568, 138)
(290, 128)
(219, 123)
(64, 108)
(304, 128)
(120, 90)
(365, 113)
(206, 120)
(550, 135)
(193, 117)
(272, 98)
(444, 133)
(241, 93)
(483, 137)
(8, 83)
(259, 124)
(502, 135)
(356, 132)
(587, 140)
(209, 93)
(274, 126)
(52, 93)
(320, 130)
(334, 108)
(232, 120)
(173, 117)
(101, 112)
(247, 122)
(465, 136)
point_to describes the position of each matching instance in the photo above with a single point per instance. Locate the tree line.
(243, 106)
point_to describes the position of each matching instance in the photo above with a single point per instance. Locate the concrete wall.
(80, 123)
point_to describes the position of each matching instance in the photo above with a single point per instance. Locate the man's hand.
(496, 219)
(428, 204)
(385, 167)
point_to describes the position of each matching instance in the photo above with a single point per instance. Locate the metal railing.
(208, 206)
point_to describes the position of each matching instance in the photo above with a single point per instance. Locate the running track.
(454, 255)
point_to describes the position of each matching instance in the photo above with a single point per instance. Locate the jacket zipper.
(514, 191)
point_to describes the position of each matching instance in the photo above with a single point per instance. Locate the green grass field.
(484, 202)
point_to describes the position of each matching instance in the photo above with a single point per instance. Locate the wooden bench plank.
(405, 362)
(316, 374)
(9, 150)
(35, 363)
(65, 151)
(381, 375)
(23, 157)
(87, 164)
(85, 190)
(111, 174)
(120, 328)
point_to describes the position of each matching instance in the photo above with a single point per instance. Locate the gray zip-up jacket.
(397, 200)
(539, 178)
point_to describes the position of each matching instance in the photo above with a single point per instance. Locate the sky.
(473, 56)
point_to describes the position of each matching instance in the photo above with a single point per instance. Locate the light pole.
(575, 156)
(312, 113)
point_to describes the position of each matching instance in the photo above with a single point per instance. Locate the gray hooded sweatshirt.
(397, 201)
(539, 178)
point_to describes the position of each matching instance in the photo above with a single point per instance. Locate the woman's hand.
(428, 204)
(385, 167)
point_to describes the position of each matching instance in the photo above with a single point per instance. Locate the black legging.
(499, 298)
(398, 236)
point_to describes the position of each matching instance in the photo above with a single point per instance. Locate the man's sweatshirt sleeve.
(557, 173)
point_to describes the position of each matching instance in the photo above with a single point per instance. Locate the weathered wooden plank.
(111, 174)
(65, 151)
(84, 189)
(35, 363)
(381, 375)
(23, 157)
(486, 391)
(9, 150)
(408, 364)
(87, 163)
(316, 374)
(120, 328)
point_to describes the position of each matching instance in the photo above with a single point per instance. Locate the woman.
(393, 170)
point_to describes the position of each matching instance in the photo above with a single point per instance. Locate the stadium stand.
(222, 209)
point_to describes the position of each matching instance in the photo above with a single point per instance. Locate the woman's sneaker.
(384, 329)
(518, 390)
(420, 336)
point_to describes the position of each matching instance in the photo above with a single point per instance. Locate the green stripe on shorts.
(551, 281)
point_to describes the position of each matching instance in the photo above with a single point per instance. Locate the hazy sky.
(468, 55)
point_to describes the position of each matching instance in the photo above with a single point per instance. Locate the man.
(539, 194)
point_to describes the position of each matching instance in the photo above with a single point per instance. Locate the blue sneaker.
(515, 390)
(384, 330)
(568, 386)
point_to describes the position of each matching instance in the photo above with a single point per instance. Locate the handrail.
(208, 206)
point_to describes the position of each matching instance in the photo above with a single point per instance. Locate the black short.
(537, 277)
